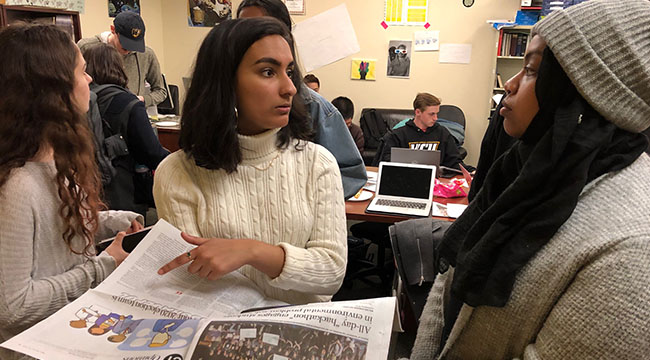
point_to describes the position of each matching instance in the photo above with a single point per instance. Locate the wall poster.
(208, 13)
(117, 6)
(399, 61)
(363, 69)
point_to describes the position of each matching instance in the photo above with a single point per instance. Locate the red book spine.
(500, 41)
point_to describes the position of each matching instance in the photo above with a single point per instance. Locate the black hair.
(273, 8)
(311, 78)
(209, 120)
(344, 106)
(391, 53)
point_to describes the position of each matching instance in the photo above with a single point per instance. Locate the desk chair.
(170, 104)
(414, 242)
(455, 114)
(360, 267)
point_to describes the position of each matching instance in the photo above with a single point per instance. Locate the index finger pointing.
(180, 260)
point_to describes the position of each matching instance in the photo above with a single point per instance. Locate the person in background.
(551, 259)
(346, 108)
(327, 122)
(312, 82)
(140, 62)
(127, 191)
(248, 188)
(424, 133)
(49, 184)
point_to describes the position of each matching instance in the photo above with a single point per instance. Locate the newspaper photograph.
(136, 314)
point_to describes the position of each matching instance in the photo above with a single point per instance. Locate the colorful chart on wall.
(406, 12)
(363, 69)
(208, 12)
(117, 6)
(399, 58)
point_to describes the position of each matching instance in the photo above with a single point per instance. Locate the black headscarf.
(531, 190)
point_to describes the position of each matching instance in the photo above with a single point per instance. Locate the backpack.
(109, 138)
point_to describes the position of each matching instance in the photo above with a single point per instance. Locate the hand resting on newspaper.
(216, 257)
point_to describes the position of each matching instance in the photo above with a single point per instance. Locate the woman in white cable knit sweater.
(258, 196)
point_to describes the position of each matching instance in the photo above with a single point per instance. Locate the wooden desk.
(168, 136)
(356, 210)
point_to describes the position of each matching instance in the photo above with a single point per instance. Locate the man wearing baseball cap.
(140, 62)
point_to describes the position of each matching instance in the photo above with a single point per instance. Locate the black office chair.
(368, 269)
(414, 242)
(455, 114)
(170, 104)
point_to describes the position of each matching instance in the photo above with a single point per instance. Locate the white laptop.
(404, 189)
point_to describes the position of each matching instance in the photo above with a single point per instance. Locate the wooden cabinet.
(67, 20)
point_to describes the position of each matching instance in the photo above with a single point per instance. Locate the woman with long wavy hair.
(49, 184)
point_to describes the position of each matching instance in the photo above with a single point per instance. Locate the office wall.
(95, 20)
(467, 86)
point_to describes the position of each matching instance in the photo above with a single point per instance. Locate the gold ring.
(189, 255)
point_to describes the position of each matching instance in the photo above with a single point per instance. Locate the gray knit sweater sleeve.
(604, 313)
(38, 272)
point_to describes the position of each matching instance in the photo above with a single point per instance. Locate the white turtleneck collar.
(259, 148)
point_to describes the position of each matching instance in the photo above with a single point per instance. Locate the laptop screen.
(413, 182)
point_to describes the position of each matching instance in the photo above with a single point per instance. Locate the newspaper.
(136, 314)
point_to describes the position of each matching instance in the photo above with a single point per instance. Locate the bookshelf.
(67, 20)
(510, 48)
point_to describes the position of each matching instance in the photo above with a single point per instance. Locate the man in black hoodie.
(422, 132)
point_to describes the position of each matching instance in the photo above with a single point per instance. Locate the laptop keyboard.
(402, 204)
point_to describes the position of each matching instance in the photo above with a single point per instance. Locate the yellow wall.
(467, 86)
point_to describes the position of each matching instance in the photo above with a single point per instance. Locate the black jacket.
(129, 191)
(434, 138)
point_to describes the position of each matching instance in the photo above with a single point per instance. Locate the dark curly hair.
(209, 122)
(36, 110)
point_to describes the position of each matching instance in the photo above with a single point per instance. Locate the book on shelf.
(136, 313)
(500, 43)
(513, 45)
(499, 81)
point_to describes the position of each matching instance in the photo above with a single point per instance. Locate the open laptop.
(404, 189)
(415, 156)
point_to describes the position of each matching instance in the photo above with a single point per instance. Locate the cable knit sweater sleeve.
(177, 198)
(319, 266)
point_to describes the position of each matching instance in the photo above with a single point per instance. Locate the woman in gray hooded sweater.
(551, 260)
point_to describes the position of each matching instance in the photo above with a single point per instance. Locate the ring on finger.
(189, 255)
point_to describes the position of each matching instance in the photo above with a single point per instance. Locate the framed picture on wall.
(208, 13)
(295, 7)
(399, 58)
(363, 69)
(117, 6)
